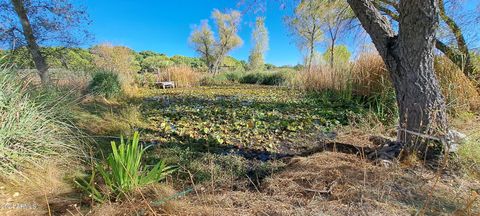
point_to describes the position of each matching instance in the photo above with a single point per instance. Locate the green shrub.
(276, 78)
(32, 129)
(234, 76)
(253, 78)
(216, 80)
(265, 78)
(124, 172)
(105, 83)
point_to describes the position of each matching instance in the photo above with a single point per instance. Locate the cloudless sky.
(164, 26)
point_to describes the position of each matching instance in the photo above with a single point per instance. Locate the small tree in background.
(342, 56)
(214, 50)
(256, 59)
(153, 63)
(337, 17)
(203, 42)
(306, 24)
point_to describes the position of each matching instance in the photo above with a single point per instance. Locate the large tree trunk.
(409, 59)
(32, 45)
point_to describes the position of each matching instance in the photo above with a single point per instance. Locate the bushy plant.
(253, 78)
(275, 78)
(234, 76)
(123, 171)
(32, 127)
(105, 83)
(214, 80)
(264, 78)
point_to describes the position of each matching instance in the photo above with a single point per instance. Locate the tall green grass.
(33, 127)
(123, 172)
(273, 78)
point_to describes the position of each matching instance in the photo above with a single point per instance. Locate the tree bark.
(459, 56)
(32, 45)
(332, 53)
(312, 48)
(312, 53)
(409, 59)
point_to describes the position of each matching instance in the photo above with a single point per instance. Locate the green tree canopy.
(341, 55)
(153, 63)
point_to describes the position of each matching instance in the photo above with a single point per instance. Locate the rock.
(385, 163)
(455, 139)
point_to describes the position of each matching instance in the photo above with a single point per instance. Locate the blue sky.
(164, 26)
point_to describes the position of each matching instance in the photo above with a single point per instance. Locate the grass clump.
(32, 128)
(469, 155)
(234, 76)
(264, 78)
(123, 172)
(215, 80)
(252, 78)
(106, 84)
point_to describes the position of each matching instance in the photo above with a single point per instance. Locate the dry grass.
(75, 80)
(39, 192)
(357, 187)
(369, 75)
(67, 79)
(365, 76)
(183, 76)
(459, 91)
(332, 183)
(118, 120)
(322, 78)
(143, 202)
(118, 59)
